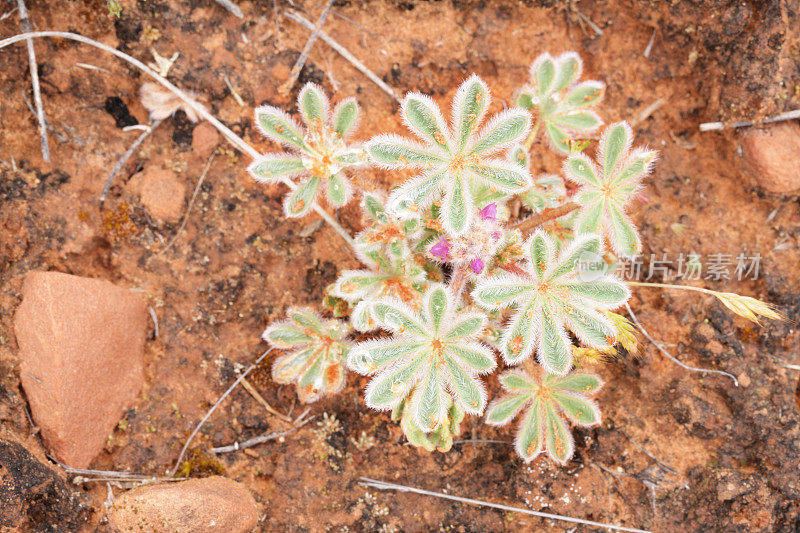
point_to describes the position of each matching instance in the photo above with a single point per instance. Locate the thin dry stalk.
(344, 52)
(383, 485)
(124, 159)
(231, 7)
(214, 408)
(189, 208)
(669, 356)
(547, 215)
(301, 61)
(260, 399)
(255, 441)
(716, 126)
(25, 23)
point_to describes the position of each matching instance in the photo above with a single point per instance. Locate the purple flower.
(440, 249)
(489, 212)
(477, 264)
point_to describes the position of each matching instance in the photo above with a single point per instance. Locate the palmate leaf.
(321, 152)
(433, 359)
(453, 161)
(395, 276)
(609, 185)
(546, 401)
(564, 107)
(314, 353)
(558, 292)
(441, 439)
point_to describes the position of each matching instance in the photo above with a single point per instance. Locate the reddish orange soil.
(238, 263)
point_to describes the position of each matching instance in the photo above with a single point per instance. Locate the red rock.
(208, 505)
(771, 155)
(80, 346)
(205, 139)
(161, 194)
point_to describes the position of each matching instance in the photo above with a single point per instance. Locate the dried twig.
(124, 159)
(298, 65)
(255, 441)
(647, 111)
(189, 208)
(669, 356)
(716, 126)
(547, 215)
(230, 6)
(25, 22)
(214, 408)
(154, 318)
(260, 399)
(649, 47)
(296, 17)
(382, 485)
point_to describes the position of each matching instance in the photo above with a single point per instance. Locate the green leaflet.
(580, 167)
(470, 326)
(616, 141)
(286, 335)
(471, 102)
(313, 104)
(560, 445)
(545, 75)
(389, 387)
(421, 113)
(511, 179)
(466, 392)
(474, 359)
(391, 151)
(337, 190)
(626, 240)
(276, 124)
(302, 199)
(530, 439)
(396, 319)
(437, 306)
(502, 411)
(345, 117)
(577, 409)
(554, 351)
(505, 128)
(270, 169)
(455, 210)
(576, 382)
(499, 294)
(428, 401)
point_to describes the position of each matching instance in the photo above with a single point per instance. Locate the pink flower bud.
(489, 212)
(440, 249)
(477, 264)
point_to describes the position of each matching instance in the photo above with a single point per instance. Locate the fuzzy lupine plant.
(451, 283)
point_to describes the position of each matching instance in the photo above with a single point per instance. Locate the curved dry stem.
(234, 139)
(672, 358)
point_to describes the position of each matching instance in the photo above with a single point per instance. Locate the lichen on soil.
(238, 263)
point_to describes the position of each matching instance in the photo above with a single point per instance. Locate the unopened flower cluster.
(451, 282)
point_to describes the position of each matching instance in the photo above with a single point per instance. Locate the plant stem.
(668, 286)
(672, 358)
(234, 139)
(547, 215)
(458, 282)
(532, 136)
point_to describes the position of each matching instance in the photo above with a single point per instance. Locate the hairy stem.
(458, 282)
(226, 132)
(547, 215)
(532, 135)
